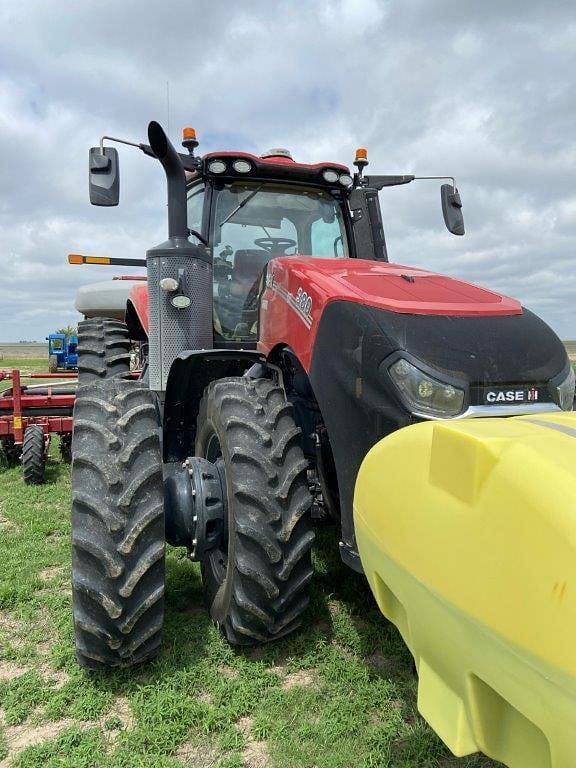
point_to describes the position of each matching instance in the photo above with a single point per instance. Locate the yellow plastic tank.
(467, 534)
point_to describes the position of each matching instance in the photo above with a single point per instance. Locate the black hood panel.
(480, 350)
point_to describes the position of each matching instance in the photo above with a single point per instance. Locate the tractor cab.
(62, 352)
(56, 343)
(250, 221)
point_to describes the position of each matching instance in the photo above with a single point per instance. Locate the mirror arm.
(190, 163)
(379, 182)
(449, 178)
(118, 141)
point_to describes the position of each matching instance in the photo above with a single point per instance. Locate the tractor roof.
(278, 166)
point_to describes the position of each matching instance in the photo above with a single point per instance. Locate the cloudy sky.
(481, 90)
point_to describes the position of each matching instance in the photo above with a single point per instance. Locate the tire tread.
(103, 349)
(268, 482)
(33, 455)
(117, 525)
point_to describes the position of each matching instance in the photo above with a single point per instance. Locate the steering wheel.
(274, 244)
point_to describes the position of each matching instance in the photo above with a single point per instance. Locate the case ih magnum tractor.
(282, 345)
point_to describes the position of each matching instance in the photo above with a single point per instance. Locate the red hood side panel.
(299, 288)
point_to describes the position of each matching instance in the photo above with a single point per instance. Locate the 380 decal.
(304, 302)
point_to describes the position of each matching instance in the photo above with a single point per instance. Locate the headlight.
(242, 166)
(217, 166)
(423, 395)
(565, 392)
(346, 180)
(330, 176)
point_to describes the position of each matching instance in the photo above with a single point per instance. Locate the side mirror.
(452, 209)
(104, 176)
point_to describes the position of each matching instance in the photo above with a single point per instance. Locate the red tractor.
(280, 346)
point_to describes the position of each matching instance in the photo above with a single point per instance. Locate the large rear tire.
(117, 525)
(52, 364)
(103, 349)
(33, 455)
(256, 583)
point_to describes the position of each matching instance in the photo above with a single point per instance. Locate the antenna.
(168, 107)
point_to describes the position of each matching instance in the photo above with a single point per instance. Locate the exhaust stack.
(175, 179)
(179, 276)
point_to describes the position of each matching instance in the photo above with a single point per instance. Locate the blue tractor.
(62, 352)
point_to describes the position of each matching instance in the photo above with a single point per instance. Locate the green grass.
(340, 693)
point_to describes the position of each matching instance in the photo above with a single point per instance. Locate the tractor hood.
(402, 289)
(453, 326)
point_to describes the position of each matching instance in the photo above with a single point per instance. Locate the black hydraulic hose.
(175, 177)
(63, 412)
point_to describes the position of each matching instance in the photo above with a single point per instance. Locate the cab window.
(327, 238)
(195, 209)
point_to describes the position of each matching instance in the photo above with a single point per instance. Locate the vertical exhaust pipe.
(173, 328)
(175, 179)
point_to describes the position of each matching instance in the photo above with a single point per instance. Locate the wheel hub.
(195, 506)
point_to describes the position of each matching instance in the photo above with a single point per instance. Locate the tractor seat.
(248, 264)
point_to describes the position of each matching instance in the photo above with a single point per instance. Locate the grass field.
(33, 349)
(341, 693)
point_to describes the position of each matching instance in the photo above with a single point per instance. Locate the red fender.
(138, 306)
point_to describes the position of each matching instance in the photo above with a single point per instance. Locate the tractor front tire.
(256, 582)
(52, 364)
(117, 525)
(103, 349)
(33, 455)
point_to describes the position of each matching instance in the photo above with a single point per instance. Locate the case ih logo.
(512, 395)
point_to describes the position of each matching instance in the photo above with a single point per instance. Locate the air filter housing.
(173, 330)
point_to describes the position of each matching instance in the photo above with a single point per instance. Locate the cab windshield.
(255, 222)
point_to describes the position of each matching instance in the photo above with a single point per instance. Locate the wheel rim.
(218, 558)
